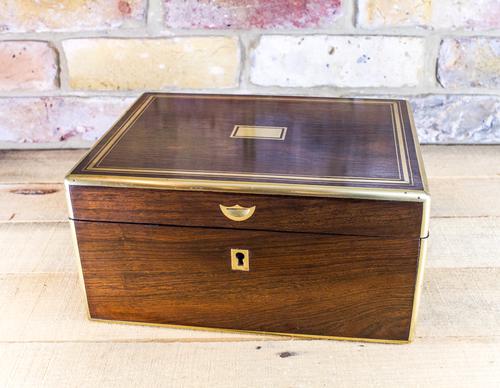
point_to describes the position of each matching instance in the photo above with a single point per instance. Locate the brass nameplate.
(259, 132)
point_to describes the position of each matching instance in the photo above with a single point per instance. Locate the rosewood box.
(286, 215)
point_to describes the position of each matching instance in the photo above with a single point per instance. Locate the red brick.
(26, 65)
(70, 15)
(239, 14)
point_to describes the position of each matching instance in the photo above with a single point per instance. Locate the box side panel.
(276, 213)
(310, 284)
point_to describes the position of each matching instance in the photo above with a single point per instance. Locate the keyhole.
(241, 259)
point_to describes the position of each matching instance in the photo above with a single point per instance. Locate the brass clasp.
(237, 212)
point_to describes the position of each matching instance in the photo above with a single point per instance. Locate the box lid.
(329, 147)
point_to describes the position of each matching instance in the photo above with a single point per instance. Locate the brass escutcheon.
(240, 260)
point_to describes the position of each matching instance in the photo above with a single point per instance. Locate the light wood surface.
(46, 339)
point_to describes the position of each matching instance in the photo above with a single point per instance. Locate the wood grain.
(46, 339)
(275, 213)
(429, 363)
(472, 161)
(464, 242)
(32, 202)
(50, 307)
(450, 198)
(339, 286)
(454, 186)
(465, 197)
(48, 166)
(455, 243)
(361, 143)
(41, 247)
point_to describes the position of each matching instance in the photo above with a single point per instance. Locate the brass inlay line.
(404, 144)
(113, 140)
(121, 131)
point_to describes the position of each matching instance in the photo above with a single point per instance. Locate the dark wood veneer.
(279, 213)
(156, 248)
(343, 286)
(350, 139)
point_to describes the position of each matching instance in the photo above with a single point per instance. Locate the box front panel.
(269, 212)
(297, 283)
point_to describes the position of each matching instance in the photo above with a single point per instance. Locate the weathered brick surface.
(390, 13)
(457, 119)
(191, 62)
(251, 13)
(68, 15)
(56, 119)
(438, 14)
(344, 61)
(466, 14)
(26, 65)
(473, 62)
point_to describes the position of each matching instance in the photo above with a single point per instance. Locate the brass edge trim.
(426, 217)
(273, 97)
(79, 266)
(418, 150)
(75, 246)
(424, 232)
(249, 187)
(418, 287)
(214, 329)
(68, 199)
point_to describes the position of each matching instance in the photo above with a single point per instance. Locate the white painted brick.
(466, 14)
(58, 119)
(457, 119)
(343, 61)
(389, 13)
(469, 62)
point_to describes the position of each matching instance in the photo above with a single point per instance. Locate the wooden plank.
(464, 242)
(51, 307)
(465, 196)
(460, 303)
(36, 248)
(48, 166)
(32, 202)
(468, 197)
(462, 161)
(48, 247)
(431, 363)
(471, 197)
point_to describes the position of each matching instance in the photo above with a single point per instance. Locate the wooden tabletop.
(46, 339)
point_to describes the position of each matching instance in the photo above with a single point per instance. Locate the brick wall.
(68, 68)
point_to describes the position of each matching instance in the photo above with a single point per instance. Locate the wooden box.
(286, 215)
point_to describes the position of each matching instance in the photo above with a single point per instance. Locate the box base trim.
(269, 333)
